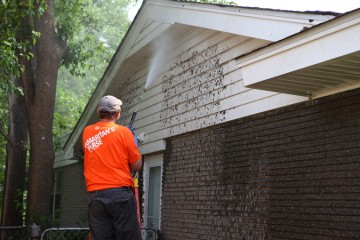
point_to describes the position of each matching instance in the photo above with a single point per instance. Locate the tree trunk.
(15, 163)
(39, 83)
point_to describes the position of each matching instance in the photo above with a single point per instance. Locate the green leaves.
(98, 29)
(92, 29)
(35, 36)
(13, 44)
(5, 3)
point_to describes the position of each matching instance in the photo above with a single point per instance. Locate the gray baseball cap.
(109, 104)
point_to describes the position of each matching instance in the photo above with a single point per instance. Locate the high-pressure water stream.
(157, 63)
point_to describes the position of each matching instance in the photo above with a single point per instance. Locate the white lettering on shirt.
(95, 141)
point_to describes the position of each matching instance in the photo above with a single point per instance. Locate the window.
(152, 191)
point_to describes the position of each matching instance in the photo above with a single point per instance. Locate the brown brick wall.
(291, 173)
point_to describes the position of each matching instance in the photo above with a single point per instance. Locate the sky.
(296, 5)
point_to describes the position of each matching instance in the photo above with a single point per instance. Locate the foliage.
(93, 37)
(107, 22)
(76, 82)
(92, 29)
(12, 12)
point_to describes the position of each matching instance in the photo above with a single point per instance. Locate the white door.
(152, 190)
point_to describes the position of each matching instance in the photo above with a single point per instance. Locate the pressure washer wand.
(132, 119)
(135, 112)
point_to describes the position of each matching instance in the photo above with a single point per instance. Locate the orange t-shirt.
(109, 148)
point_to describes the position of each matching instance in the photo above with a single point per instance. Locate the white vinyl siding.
(201, 85)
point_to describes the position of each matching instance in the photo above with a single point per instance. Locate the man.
(110, 153)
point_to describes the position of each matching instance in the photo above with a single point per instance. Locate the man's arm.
(136, 166)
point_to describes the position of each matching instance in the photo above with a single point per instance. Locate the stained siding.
(290, 173)
(200, 86)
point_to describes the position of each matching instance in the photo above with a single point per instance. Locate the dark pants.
(112, 215)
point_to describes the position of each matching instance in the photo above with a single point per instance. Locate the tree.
(16, 136)
(39, 85)
(3, 139)
(74, 90)
(15, 170)
(65, 38)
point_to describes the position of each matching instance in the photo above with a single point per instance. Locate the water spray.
(156, 66)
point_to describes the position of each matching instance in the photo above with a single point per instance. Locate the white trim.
(240, 21)
(152, 147)
(151, 161)
(328, 41)
(292, 43)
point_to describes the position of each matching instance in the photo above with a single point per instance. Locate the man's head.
(108, 107)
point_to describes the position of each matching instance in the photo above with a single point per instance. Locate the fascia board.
(328, 41)
(157, 146)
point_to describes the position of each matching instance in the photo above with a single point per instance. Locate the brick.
(290, 173)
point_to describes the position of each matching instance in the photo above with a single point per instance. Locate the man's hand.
(136, 166)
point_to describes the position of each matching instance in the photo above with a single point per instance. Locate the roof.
(319, 61)
(157, 19)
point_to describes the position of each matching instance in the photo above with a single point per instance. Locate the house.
(249, 119)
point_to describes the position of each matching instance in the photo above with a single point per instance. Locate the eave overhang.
(158, 18)
(319, 61)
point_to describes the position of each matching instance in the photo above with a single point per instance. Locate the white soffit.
(321, 60)
(263, 24)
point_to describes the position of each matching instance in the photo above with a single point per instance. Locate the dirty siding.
(201, 86)
(195, 85)
(290, 173)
